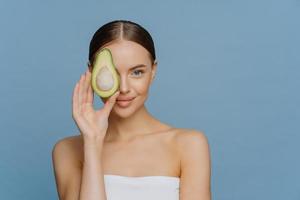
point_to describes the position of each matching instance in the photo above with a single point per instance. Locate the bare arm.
(92, 184)
(93, 125)
(74, 183)
(195, 166)
(67, 169)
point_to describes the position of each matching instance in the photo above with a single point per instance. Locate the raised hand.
(91, 123)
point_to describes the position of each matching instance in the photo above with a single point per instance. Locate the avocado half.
(105, 79)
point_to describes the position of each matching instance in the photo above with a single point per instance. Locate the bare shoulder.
(192, 146)
(185, 137)
(69, 148)
(67, 167)
(68, 143)
(195, 164)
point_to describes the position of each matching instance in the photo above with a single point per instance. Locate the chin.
(122, 112)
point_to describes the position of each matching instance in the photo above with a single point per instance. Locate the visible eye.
(138, 72)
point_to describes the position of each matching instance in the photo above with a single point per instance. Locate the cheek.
(141, 86)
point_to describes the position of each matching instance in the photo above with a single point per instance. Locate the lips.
(125, 98)
(124, 103)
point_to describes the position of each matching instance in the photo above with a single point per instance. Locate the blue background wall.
(228, 68)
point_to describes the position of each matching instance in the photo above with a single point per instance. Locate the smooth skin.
(116, 140)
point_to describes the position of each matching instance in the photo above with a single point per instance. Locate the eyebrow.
(137, 66)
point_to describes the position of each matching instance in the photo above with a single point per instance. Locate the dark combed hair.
(121, 29)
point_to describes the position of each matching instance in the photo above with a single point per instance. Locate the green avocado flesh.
(105, 80)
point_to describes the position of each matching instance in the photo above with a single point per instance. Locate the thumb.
(109, 104)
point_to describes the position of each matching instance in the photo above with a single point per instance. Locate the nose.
(124, 87)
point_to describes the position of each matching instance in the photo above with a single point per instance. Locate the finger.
(85, 89)
(90, 95)
(75, 100)
(109, 104)
(80, 92)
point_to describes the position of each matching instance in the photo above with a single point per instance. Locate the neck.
(124, 129)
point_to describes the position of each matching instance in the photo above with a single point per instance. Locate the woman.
(122, 151)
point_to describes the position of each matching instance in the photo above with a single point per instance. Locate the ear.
(153, 72)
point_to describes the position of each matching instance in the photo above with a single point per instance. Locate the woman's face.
(136, 73)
